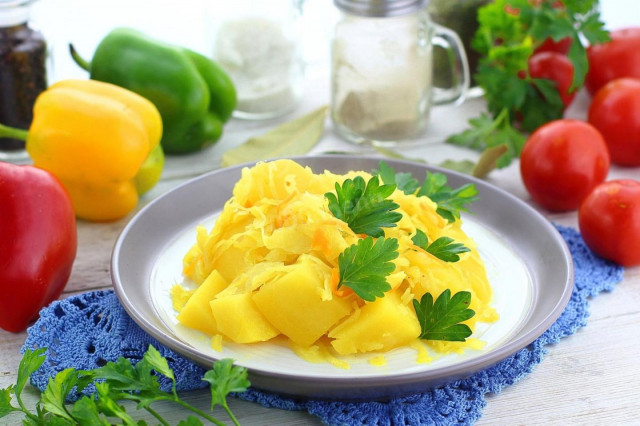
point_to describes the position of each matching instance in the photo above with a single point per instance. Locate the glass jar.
(258, 45)
(23, 72)
(382, 70)
(462, 17)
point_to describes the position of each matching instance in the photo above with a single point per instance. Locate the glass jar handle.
(450, 41)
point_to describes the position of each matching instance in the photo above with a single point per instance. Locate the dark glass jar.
(462, 17)
(23, 71)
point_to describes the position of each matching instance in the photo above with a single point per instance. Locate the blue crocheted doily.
(87, 330)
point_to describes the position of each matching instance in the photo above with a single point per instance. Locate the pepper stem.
(12, 132)
(83, 63)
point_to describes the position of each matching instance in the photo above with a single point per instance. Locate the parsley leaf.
(224, 379)
(364, 266)
(31, 361)
(5, 402)
(86, 412)
(450, 201)
(363, 206)
(58, 388)
(486, 133)
(114, 382)
(441, 320)
(405, 182)
(443, 248)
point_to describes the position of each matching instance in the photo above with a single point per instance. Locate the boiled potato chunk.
(238, 319)
(378, 326)
(293, 304)
(196, 313)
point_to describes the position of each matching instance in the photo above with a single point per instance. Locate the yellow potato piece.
(196, 313)
(293, 303)
(238, 319)
(377, 326)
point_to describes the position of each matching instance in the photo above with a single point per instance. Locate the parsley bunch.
(508, 34)
(115, 382)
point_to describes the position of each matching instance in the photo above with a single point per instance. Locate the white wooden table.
(588, 378)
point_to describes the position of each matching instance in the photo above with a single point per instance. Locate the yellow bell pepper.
(101, 141)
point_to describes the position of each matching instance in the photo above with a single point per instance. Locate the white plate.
(528, 264)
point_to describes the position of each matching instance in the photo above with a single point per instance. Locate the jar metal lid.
(380, 8)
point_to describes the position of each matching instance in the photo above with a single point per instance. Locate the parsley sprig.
(450, 201)
(364, 266)
(508, 34)
(364, 206)
(441, 320)
(444, 248)
(405, 182)
(115, 382)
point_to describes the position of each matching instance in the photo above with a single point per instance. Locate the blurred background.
(186, 23)
(189, 22)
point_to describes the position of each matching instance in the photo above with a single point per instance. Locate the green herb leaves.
(405, 182)
(225, 378)
(443, 248)
(509, 34)
(450, 201)
(364, 207)
(486, 133)
(114, 382)
(364, 266)
(441, 320)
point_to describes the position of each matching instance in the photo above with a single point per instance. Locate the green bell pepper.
(194, 95)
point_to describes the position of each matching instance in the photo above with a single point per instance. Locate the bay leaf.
(488, 160)
(388, 152)
(462, 166)
(295, 137)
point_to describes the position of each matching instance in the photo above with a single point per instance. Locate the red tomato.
(620, 57)
(615, 112)
(562, 161)
(555, 67)
(550, 45)
(609, 220)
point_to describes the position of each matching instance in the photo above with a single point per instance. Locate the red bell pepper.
(38, 242)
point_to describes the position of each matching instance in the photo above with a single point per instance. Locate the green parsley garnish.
(450, 201)
(404, 181)
(364, 266)
(441, 320)
(443, 248)
(486, 132)
(509, 33)
(115, 382)
(364, 206)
